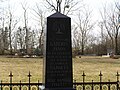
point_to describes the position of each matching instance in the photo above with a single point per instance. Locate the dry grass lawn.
(90, 65)
(20, 68)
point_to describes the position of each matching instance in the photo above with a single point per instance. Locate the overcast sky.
(94, 5)
(97, 5)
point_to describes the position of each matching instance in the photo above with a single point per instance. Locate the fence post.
(38, 84)
(117, 80)
(74, 84)
(109, 84)
(29, 75)
(20, 85)
(1, 84)
(11, 75)
(92, 85)
(100, 80)
(83, 80)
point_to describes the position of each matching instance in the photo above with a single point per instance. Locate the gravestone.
(58, 55)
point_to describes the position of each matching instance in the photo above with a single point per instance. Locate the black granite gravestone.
(58, 56)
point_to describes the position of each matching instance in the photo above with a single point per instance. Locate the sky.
(95, 5)
(16, 5)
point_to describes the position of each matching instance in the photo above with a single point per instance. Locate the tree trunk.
(116, 45)
(82, 47)
(40, 39)
(10, 40)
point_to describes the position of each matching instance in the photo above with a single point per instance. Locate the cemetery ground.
(91, 65)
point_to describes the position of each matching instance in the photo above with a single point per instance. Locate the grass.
(20, 68)
(92, 66)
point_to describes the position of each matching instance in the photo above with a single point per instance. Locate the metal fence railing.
(20, 85)
(77, 85)
(97, 85)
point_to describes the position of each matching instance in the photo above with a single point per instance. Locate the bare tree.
(33, 40)
(117, 27)
(4, 43)
(20, 37)
(8, 23)
(11, 26)
(111, 24)
(39, 17)
(63, 6)
(2, 29)
(84, 25)
(75, 39)
(26, 28)
(103, 36)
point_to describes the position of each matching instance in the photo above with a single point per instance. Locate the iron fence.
(77, 85)
(97, 85)
(20, 85)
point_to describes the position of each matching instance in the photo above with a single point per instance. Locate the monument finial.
(59, 5)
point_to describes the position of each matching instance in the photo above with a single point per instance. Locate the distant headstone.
(58, 56)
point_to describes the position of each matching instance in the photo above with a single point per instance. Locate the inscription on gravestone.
(58, 59)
